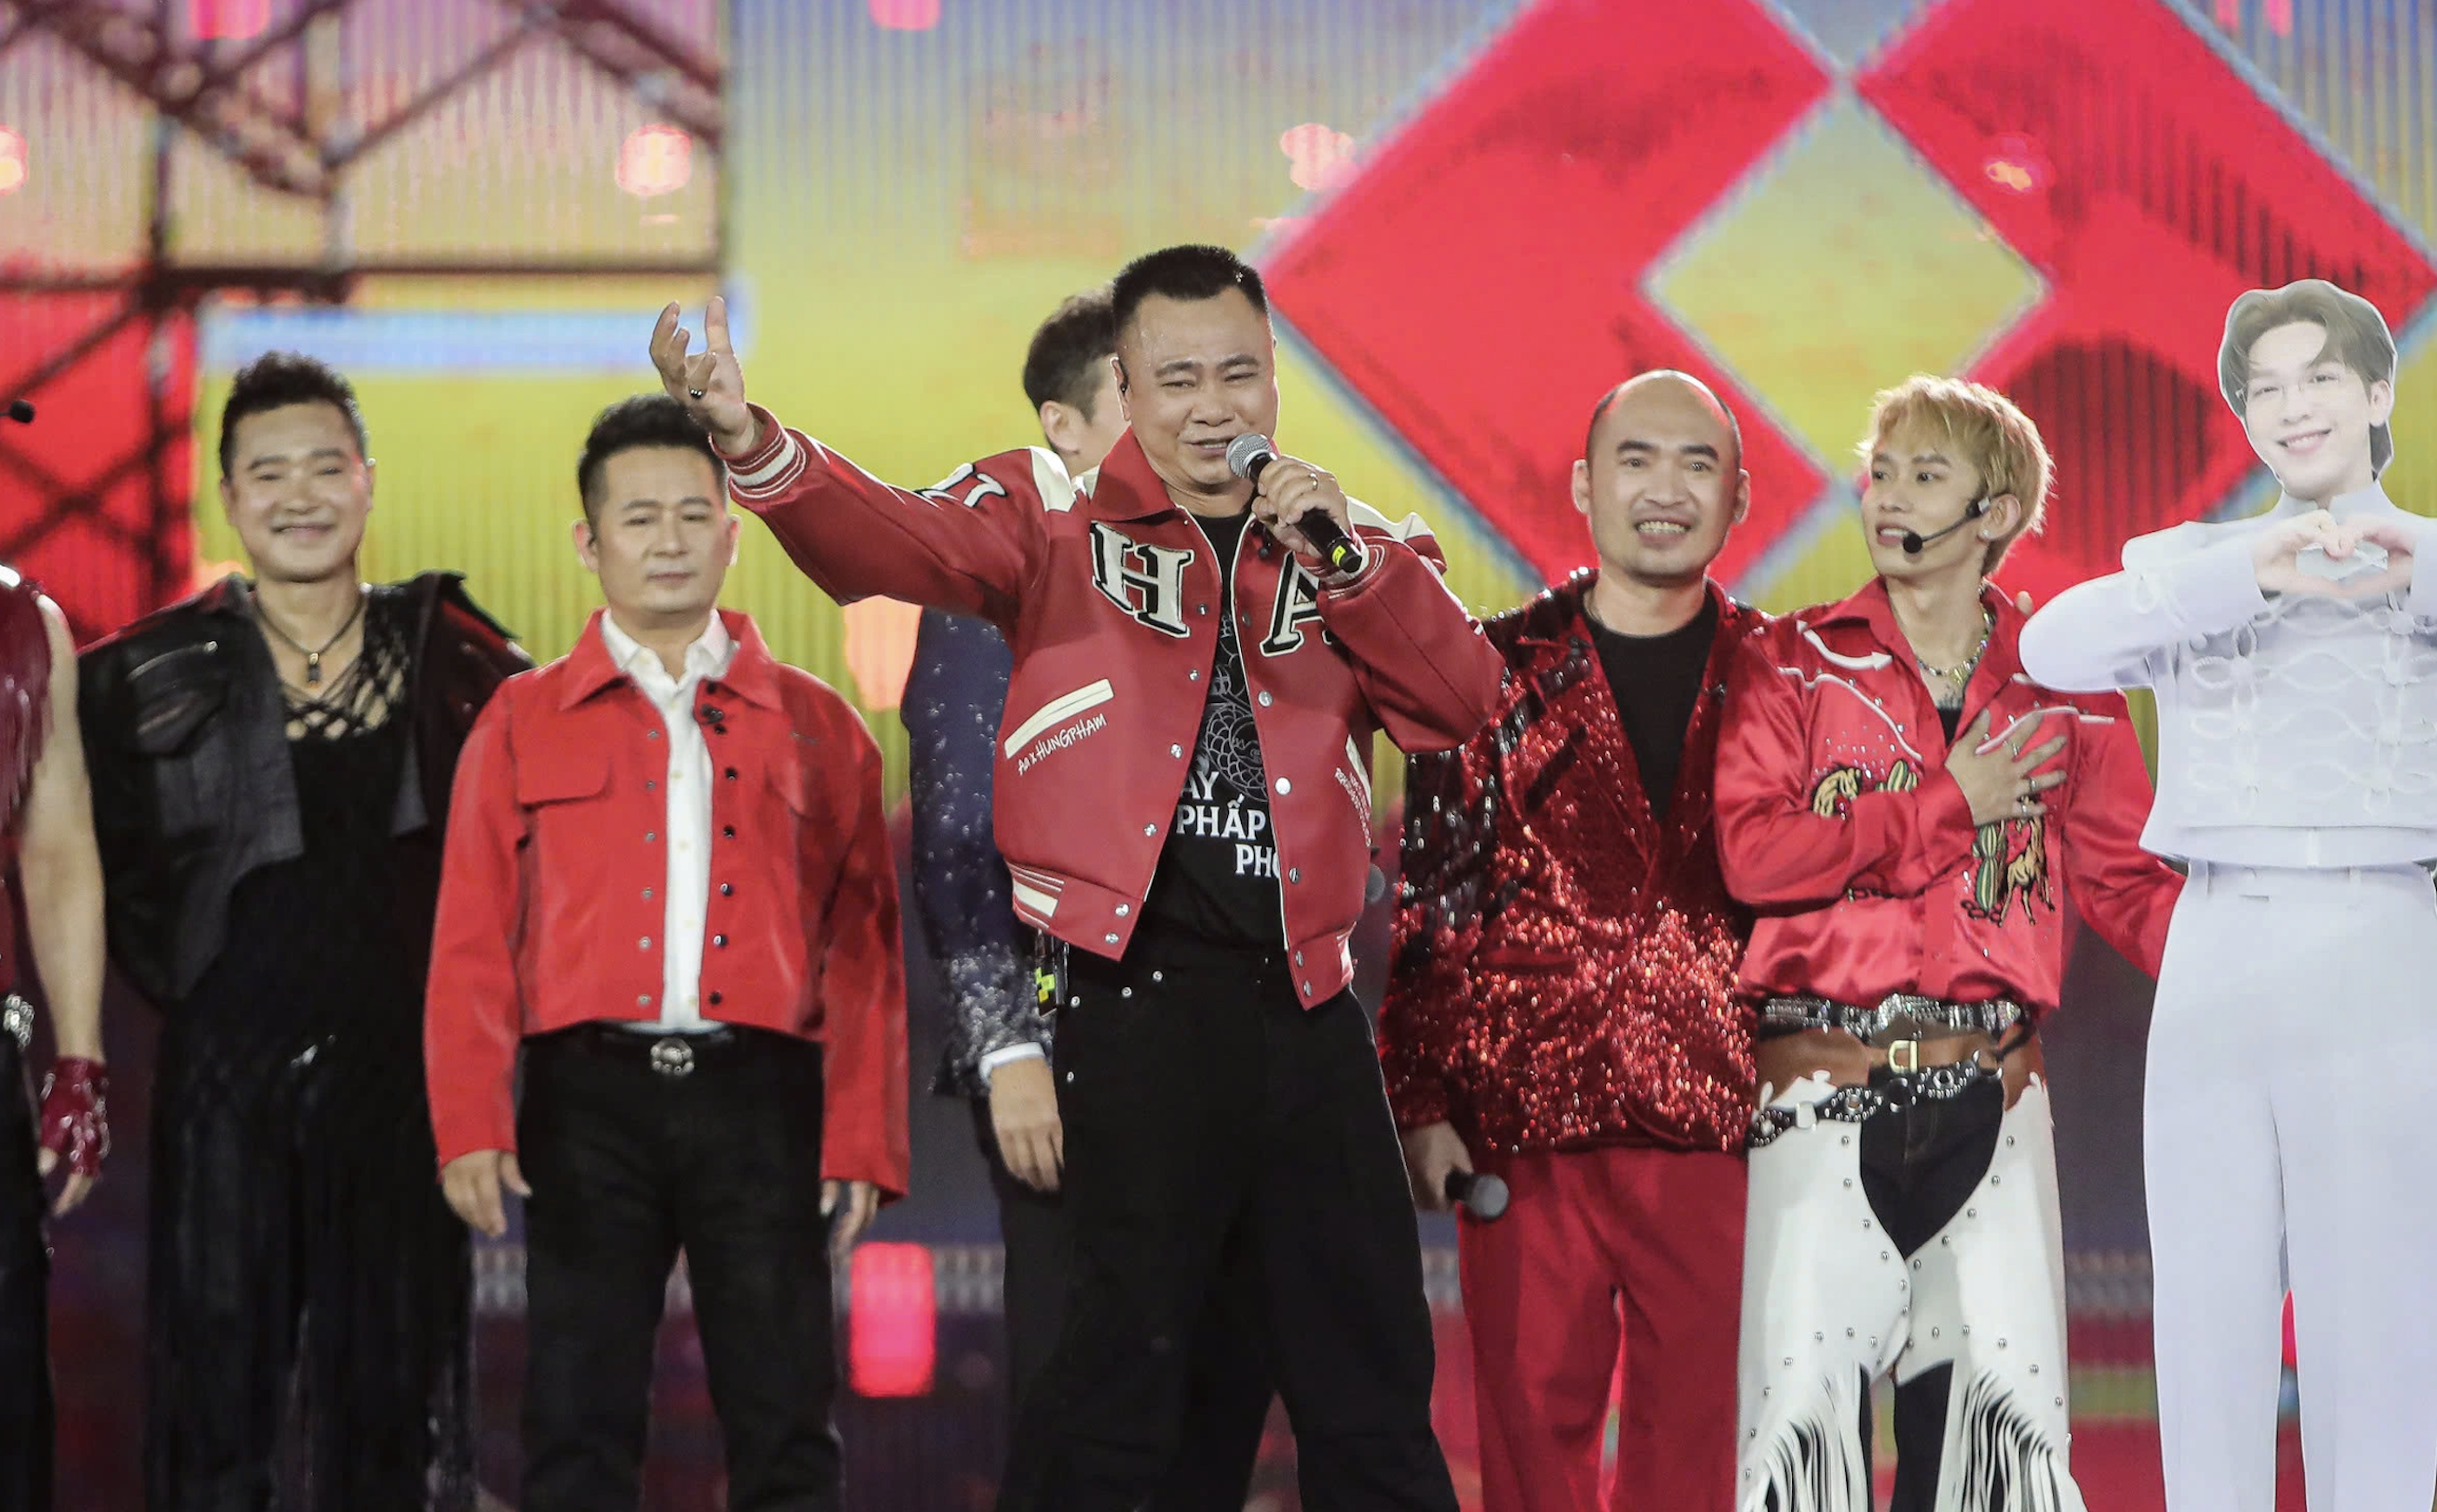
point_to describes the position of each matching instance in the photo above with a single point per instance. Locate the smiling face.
(298, 492)
(1920, 483)
(1663, 483)
(660, 537)
(1199, 373)
(2310, 415)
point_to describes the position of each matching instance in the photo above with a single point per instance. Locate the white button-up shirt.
(687, 888)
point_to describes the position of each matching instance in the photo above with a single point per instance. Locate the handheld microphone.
(1915, 543)
(20, 411)
(1246, 455)
(1480, 1193)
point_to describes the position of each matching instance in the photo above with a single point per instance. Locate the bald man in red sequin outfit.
(1561, 1009)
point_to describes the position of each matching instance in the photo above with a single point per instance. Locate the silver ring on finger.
(696, 392)
(2023, 805)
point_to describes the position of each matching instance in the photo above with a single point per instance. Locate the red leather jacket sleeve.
(1427, 1004)
(863, 1003)
(966, 546)
(2121, 890)
(473, 1019)
(1427, 673)
(1779, 851)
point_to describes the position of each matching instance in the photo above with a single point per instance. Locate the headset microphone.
(1915, 543)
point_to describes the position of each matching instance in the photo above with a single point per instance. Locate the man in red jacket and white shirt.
(1909, 816)
(1184, 798)
(668, 882)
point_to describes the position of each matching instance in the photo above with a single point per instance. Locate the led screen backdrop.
(1475, 213)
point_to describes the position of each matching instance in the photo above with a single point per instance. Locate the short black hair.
(644, 420)
(277, 379)
(1188, 271)
(1070, 350)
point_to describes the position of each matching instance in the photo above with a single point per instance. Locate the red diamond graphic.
(2113, 146)
(1482, 281)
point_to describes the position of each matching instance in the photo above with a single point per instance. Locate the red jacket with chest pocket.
(551, 903)
(1110, 600)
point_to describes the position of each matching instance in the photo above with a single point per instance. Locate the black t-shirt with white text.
(1218, 876)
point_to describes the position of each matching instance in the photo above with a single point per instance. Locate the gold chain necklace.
(1958, 677)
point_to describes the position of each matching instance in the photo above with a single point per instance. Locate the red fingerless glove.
(74, 1122)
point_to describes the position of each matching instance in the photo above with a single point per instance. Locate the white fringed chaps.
(1829, 1305)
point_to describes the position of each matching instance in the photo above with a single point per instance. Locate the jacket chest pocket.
(176, 726)
(566, 783)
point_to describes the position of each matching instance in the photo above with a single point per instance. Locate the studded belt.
(1897, 1025)
(1859, 1105)
(1897, 1017)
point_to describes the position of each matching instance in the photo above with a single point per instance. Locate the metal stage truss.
(159, 154)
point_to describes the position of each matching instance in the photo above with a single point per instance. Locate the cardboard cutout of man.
(2288, 1136)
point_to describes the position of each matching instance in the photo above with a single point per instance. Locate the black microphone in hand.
(1481, 1194)
(1915, 543)
(20, 411)
(1247, 455)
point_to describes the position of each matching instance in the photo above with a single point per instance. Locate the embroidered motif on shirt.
(2009, 861)
(2010, 858)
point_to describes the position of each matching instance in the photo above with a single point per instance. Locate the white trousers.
(2290, 1135)
(1828, 1303)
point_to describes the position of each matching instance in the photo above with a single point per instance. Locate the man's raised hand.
(709, 383)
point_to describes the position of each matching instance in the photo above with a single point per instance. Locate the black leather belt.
(673, 1055)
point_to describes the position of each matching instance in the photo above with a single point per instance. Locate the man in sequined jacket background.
(1561, 1007)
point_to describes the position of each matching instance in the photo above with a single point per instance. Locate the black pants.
(1227, 1386)
(309, 1295)
(1921, 1162)
(629, 1165)
(1221, 1141)
(25, 1422)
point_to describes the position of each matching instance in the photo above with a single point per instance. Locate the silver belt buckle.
(1898, 1021)
(17, 1017)
(672, 1056)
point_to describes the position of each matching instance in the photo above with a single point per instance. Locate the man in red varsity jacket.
(1561, 1009)
(1909, 816)
(1184, 797)
(669, 887)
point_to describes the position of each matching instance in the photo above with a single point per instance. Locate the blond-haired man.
(1908, 815)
